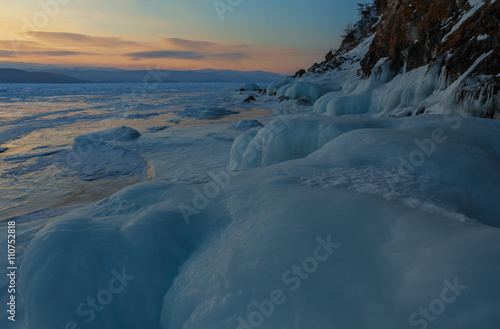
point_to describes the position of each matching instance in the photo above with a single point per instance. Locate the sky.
(279, 36)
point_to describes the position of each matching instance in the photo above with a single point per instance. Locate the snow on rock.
(475, 4)
(426, 89)
(206, 113)
(389, 43)
(246, 124)
(251, 87)
(302, 89)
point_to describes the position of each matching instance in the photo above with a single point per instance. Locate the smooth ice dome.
(346, 210)
(206, 113)
(110, 135)
(96, 155)
(251, 87)
(298, 90)
(274, 86)
(246, 124)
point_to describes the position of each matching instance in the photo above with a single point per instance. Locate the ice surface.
(157, 129)
(206, 113)
(367, 142)
(110, 135)
(96, 155)
(246, 124)
(141, 115)
(400, 209)
(105, 160)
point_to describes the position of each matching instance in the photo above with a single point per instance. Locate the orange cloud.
(81, 39)
(75, 49)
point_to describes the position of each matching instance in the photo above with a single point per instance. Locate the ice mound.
(110, 135)
(274, 86)
(96, 155)
(286, 139)
(206, 113)
(251, 87)
(348, 235)
(436, 148)
(109, 255)
(302, 258)
(3, 149)
(246, 124)
(337, 104)
(303, 89)
(413, 191)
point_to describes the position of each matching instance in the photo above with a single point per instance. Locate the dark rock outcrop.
(450, 35)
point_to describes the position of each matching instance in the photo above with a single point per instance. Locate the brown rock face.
(436, 32)
(412, 32)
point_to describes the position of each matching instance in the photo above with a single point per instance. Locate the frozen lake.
(212, 212)
(38, 124)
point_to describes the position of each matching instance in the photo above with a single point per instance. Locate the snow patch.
(475, 4)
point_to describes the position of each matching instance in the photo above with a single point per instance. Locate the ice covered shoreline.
(40, 122)
(236, 227)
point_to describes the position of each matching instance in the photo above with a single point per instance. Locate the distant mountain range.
(111, 75)
(20, 76)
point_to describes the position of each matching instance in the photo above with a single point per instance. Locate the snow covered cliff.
(407, 57)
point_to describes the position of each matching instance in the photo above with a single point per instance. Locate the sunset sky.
(280, 36)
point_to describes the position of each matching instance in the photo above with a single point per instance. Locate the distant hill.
(39, 74)
(20, 76)
(200, 76)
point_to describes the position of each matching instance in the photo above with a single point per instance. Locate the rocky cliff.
(459, 39)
